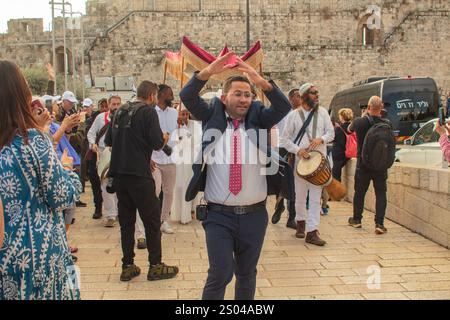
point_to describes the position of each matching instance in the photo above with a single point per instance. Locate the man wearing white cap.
(96, 138)
(318, 133)
(69, 101)
(88, 106)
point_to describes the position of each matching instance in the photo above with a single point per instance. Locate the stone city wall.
(317, 41)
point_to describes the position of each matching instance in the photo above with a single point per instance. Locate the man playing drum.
(317, 134)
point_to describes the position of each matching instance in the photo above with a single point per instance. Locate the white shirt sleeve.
(95, 128)
(287, 136)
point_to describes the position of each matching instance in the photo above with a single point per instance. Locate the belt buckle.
(239, 210)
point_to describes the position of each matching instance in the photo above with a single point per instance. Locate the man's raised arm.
(279, 104)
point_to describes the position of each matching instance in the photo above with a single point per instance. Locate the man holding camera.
(163, 168)
(96, 138)
(134, 135)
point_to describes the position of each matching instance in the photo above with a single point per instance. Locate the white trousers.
(165, 177)
(110, 210)
(311, 216)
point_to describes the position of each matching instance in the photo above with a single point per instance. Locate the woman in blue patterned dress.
(35, 262)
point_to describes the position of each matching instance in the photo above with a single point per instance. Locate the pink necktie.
(235, 184)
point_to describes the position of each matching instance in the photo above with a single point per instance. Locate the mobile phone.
(49, 106)
(441, 116)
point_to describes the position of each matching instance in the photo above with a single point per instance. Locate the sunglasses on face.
(314, 92)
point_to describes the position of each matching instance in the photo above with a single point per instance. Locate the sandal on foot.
(161, 271)
(129, 272)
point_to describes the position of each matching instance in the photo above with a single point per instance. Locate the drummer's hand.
(303, 153)
(315, 143)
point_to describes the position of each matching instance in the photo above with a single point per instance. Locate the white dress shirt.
(168, 121)
(254, 183)
(293, 125)
(98, 124)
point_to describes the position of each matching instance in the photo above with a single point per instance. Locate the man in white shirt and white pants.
(163, 168)
(308, 220)
(109, 200)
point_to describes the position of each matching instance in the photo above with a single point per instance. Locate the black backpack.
(125, 114)
(378, 152)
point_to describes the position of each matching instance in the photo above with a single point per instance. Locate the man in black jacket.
(364, 175)
(235, 190)
(133, 140)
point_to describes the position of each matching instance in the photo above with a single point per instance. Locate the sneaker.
(354, 223)
(129, 272)
(161, 272)
(324, 211)
(141, 243)
(166, 228)
(80, 204)
(291, 224)
(380, 229)
(73, 249)
(110, 223)
(313, 238)
(277, 214)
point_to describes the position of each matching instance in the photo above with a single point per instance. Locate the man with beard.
(96, 138)
(91, 161)
(318, 133)
(163, 168)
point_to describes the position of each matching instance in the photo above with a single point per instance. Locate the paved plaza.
(408, 265)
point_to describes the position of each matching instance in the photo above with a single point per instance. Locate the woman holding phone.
(35, 262)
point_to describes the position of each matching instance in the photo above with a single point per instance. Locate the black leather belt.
(239, 210)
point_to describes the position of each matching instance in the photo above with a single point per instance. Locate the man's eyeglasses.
(314, 92)
(246, 94)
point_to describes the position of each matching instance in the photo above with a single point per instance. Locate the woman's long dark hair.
(15, 104)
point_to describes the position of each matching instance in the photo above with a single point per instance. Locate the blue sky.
(15, 9)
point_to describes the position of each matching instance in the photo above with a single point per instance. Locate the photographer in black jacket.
(135, 133)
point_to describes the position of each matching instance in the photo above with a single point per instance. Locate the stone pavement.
(409, 266)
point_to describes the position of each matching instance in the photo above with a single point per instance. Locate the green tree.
(37, 80)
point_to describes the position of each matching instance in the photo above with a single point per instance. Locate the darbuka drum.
(316, 170)
(103, 163)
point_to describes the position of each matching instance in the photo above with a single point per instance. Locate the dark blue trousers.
(234, 244)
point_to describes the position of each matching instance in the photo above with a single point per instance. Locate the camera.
(201, 212)
(167, 150)
(110, 185)
(49, 106)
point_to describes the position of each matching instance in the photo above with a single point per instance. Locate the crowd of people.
(49, 148)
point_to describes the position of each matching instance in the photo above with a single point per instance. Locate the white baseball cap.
(68, 95)
(87, 102)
